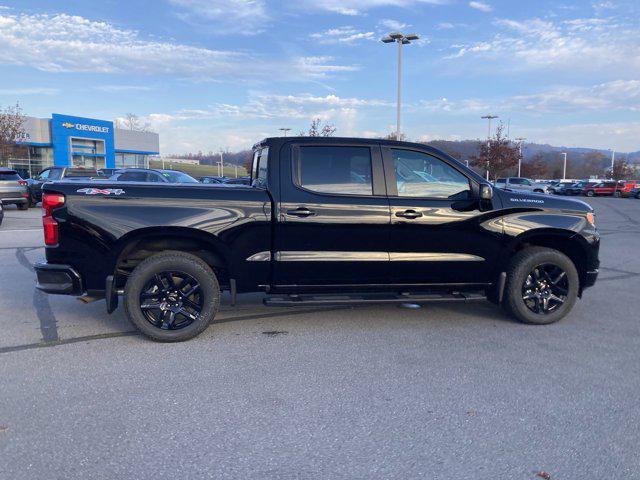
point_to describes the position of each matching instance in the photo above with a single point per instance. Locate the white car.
(519, 184)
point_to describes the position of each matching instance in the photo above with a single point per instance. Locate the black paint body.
(229, 226)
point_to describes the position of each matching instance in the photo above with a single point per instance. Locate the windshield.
(178, 177)
(80, 172)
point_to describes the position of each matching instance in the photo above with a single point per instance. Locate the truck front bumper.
(58, 279)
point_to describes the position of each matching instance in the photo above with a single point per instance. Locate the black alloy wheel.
(545, 289)
(172, 296)
(171, 300)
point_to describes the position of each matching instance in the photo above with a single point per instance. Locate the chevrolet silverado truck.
(325, 221)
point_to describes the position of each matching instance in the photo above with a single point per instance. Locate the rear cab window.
(259, 174)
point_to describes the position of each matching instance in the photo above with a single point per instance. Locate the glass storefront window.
(131, 160)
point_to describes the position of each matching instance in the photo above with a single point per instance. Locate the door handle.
(410, 214)
(301, 212)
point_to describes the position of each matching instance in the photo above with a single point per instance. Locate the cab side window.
(260, 161)
(335, 170)
(422, 175)
(44, 175)
(55, 174)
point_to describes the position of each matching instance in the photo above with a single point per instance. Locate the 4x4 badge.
(101, 191)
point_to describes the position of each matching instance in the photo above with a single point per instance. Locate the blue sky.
(210, 74)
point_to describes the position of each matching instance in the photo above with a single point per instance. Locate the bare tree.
(498, 155)
(394, 136)
(131, 121)
(11, 130)
(316, 129)
(622, 170)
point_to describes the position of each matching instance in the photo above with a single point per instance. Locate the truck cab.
(323, 221)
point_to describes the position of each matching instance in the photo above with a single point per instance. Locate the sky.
(212, 74)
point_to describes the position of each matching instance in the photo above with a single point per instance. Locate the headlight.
(591, 218)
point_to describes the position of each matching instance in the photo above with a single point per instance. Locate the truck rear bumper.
(58, 279)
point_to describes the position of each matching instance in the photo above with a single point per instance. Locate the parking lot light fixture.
(400, 39)
(564, 168)
(489, 117)
(520, 141)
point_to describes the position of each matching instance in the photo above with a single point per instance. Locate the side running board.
(309, 300)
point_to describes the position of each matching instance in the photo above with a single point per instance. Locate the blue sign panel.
(65, 129)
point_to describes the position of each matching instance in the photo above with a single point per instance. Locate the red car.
(609, 188)
(625, 187)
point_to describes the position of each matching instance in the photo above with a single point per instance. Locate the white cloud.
(347, 35)
(20, 91)
(243, 17)
(596, 45)
(43, 42)
(618, 95)
(393, 25)
(483, 7)
(622, 136)
(359, 7)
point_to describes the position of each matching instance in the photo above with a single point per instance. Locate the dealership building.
(65, 140)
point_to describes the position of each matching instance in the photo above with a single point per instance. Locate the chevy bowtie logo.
(68, 125)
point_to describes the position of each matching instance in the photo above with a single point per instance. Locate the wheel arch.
(136, 246)
(567, 242)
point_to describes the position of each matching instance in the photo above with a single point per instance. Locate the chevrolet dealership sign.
(86, 128)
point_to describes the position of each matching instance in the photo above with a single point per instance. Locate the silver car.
(519, 184)
(13, 189)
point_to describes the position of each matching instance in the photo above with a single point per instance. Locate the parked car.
(635, 193)
(53, 174)
(518, 184)
(326, 221)
(107, 172)
(1, 214)
(212, 179)
(13, 189)
(238, 181)
(625, 187)
(559, 185)
(609, 188)
(152, 175)
(573, 188)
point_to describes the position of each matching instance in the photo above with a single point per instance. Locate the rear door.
(333, 216)
(439, 233)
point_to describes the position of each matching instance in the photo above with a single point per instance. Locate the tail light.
(23, 183)
(51, 201)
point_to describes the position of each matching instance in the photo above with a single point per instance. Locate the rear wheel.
(591, 193)
(542, 286)
(23, 206)
(617, 194)
(172, 296)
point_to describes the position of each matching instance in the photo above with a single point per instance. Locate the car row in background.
(225, 180)
(13, 189)
(519, 184)
(599, 188)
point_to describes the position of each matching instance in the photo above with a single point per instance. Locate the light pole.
(520, 140)
(489, 117)
(221, 164)
(401, 40)
(613, 161)
(564, 168)
(284, 131)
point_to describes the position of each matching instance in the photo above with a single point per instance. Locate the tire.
(521, 274)
(23, 206)
(591, 193)
(537, 190)
(158, 318)
(617, 194)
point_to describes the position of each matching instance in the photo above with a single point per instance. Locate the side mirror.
(486, 192)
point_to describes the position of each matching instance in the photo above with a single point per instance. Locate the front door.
(439, 235)
(333, 216)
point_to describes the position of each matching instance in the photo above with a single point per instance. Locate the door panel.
(333, 216)
(439, 235)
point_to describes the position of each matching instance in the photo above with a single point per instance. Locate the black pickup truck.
(324, 221)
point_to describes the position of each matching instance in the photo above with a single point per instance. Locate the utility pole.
(564, 168)
(520, 140)
(221, 164)
(489, 117)
(284, 133)
(401, 40)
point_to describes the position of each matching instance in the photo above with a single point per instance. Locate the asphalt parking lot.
(447, 391)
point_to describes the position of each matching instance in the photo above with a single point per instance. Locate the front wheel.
(617, 194)
(23, 206)
(542, 286)
(172, 296)
(591, 193)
